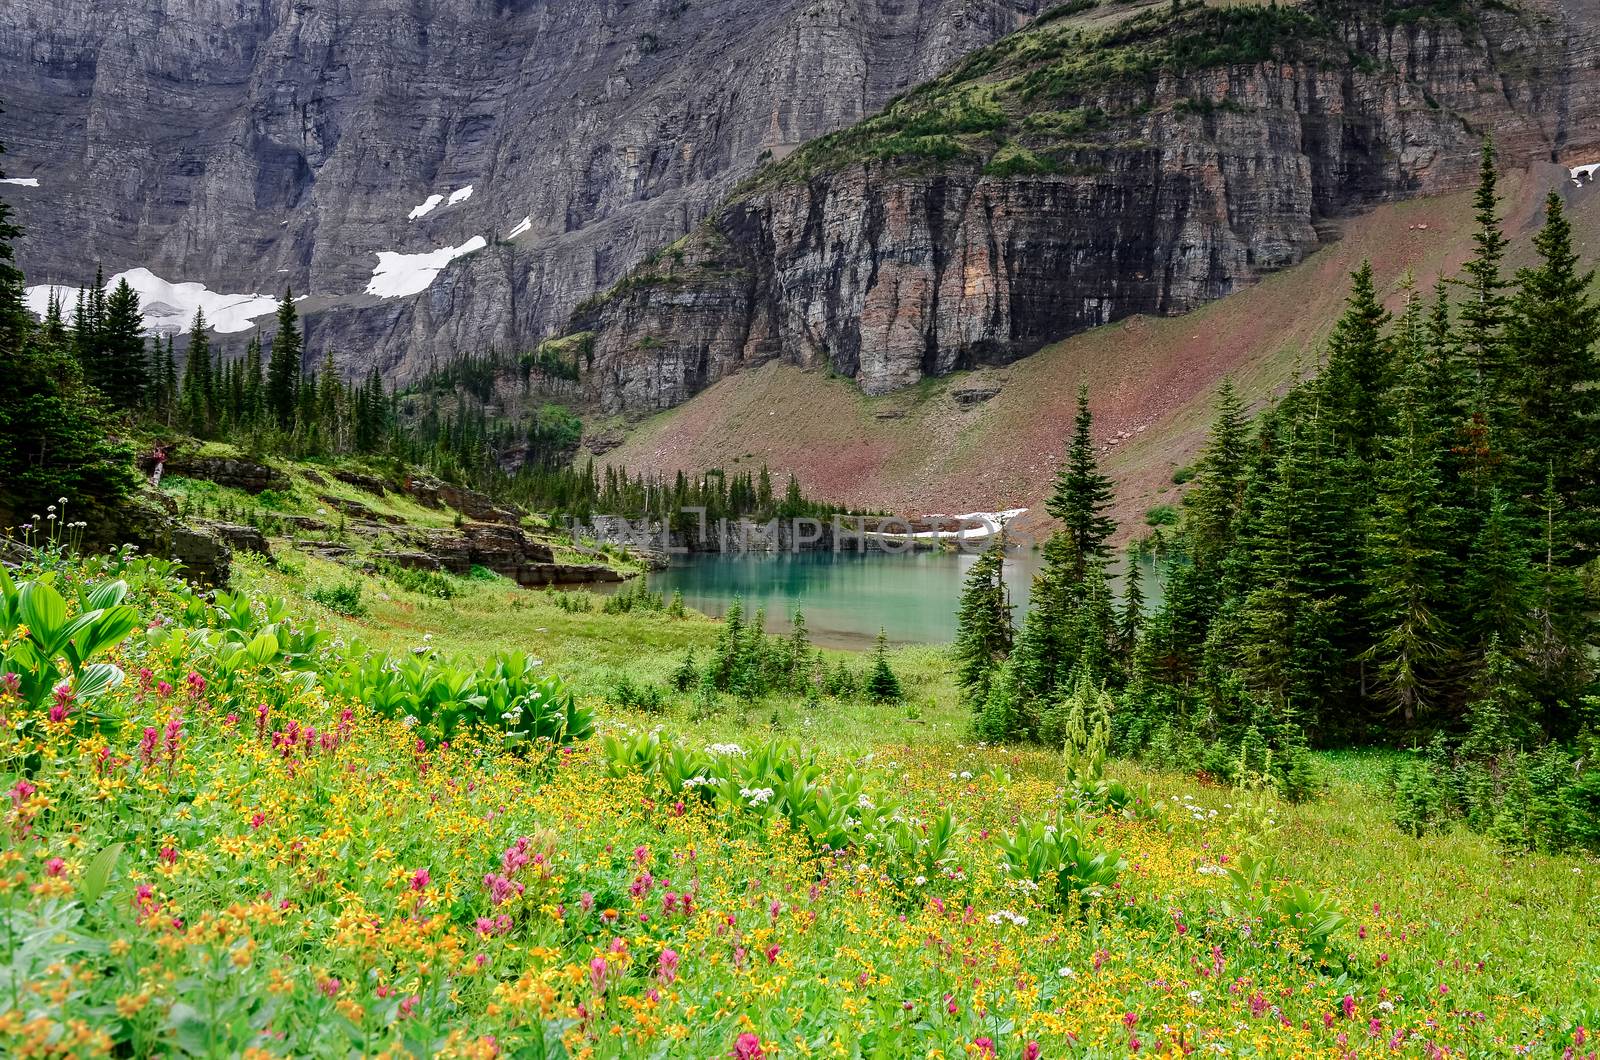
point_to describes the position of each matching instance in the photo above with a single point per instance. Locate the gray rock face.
(1193, 183)
(253, 145)
(235, 472)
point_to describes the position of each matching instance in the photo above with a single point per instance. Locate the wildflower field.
(230, 830)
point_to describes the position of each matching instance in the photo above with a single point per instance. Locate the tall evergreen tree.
(254, 386)
(283, 366)
(54, 331)
(197, 378)
(1218, 493)
(1407, 563)
(1358, 374)
(983, 624)
(1132, 619)
(1082, 496)
(1497, 590)
(330, 402)
(1483, 305)
(122, 362)
(170, 393)
(1552, 331)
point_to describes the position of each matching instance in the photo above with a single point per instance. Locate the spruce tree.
(1357, 378)
(1407, 565)
(283, 366)
(881, 685)
(53, 332)
(254, 386)
(125, 372)
(197, 378)
(330, 402)
(1218, 492)
(1552, 330)
(983, 624)
(1132, 619)
(1043, 655)
(1497, 589)
(88, 324)
(1483, 305)
(1093, 636)
(170, 394)
(1082, 496)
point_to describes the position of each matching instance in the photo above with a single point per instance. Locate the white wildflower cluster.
(1196, 998)
(920, 881)
(731, 749)
(1066, 972)
(1212, 870)
(1186, 804)
(1006, 915)
(756, 796)
(864, 801)
(699, 782)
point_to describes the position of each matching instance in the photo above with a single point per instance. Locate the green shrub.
(1061, 858)
(345, 598)
(634, 596)
(632, 695)
(426, 582)
(578, 603)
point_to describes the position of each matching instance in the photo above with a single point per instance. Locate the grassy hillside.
(1151, 382)
(246, 848)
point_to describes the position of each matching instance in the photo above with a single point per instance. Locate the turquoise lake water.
(846, 596)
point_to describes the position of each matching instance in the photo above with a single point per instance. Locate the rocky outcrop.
(149, 522)
(241, 538)
(365, 483)
(235, 472)
(287, 142)
(1051, 184)
(431, 492)
(507, 551)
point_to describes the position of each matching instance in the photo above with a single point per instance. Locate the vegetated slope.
(249, 146)
(1062, 179)
(938, 447)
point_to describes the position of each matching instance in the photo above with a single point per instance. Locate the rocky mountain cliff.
(511, 157)
(1072, 175)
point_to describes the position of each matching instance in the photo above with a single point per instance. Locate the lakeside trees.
(1400, 548)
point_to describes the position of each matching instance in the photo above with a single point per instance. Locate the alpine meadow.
(986, 529)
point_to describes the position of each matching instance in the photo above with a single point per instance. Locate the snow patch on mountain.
(429, 204)
(169, 306)
(433, 202)
(398, 275)
(21, 182)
